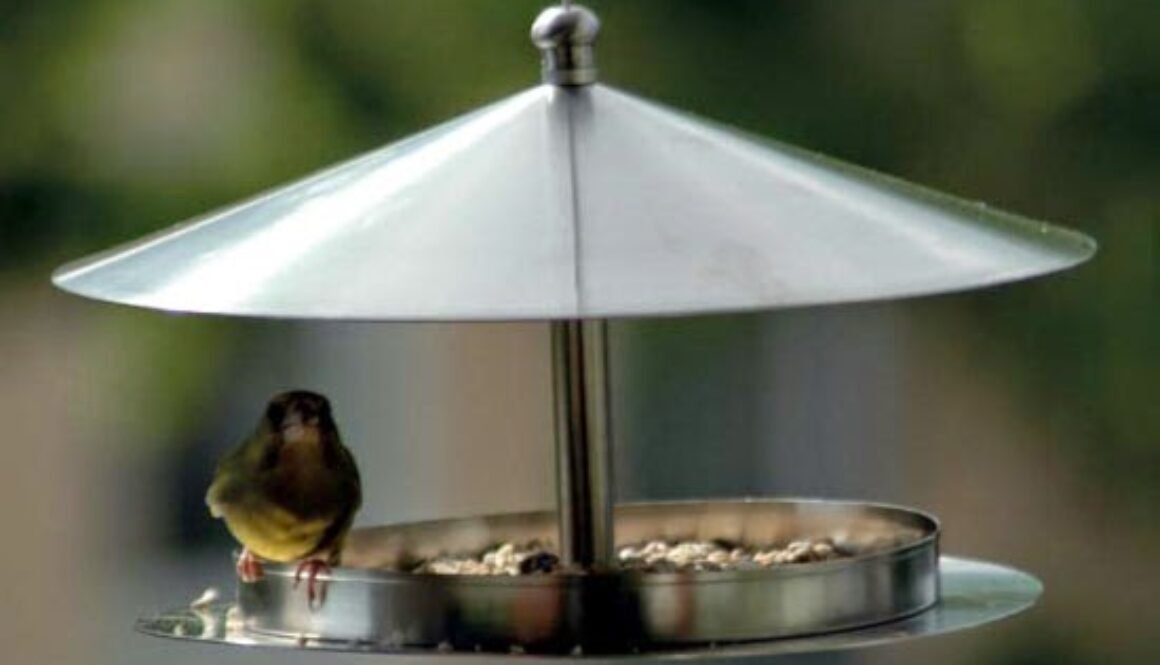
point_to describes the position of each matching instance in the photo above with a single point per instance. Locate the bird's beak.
(294, 428)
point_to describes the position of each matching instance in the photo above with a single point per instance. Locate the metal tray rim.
(932, 531)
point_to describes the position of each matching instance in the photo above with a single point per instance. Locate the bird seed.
(655, 556)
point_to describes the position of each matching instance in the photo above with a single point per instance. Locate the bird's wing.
(224, 489)
(237, 471)
(215, 508)
(350, 501)
(351, 475)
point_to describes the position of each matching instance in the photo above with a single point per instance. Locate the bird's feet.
(249, 567)
(315, 588)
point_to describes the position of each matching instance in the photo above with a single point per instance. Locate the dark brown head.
(292, 411)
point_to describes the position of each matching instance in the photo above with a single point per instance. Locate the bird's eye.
(275, 413)
(313, 408)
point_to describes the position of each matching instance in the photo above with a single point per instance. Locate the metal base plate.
(973, 593)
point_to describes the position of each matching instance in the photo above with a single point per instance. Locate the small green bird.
(289, 492)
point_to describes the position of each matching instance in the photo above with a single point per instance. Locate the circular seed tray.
(892, 573)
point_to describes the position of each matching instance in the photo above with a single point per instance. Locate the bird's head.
(299, 415)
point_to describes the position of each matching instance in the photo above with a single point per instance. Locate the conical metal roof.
(574, 201)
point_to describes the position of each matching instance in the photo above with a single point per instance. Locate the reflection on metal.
(974, 593)
(583, 442)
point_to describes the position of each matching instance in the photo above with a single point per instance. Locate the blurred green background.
(1024, 416)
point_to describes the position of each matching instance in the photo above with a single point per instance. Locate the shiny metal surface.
(893, 573)
(974, 593)
(584, 483)
(566, 35)
(574, 202)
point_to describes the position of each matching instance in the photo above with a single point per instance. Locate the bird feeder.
(576, 203)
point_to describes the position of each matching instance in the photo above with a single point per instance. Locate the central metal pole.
(566, 35)
(583, 442)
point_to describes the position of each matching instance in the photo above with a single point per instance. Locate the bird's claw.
(249, 568)
(315, 588)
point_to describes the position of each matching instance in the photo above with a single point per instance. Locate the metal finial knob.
(566, 35)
